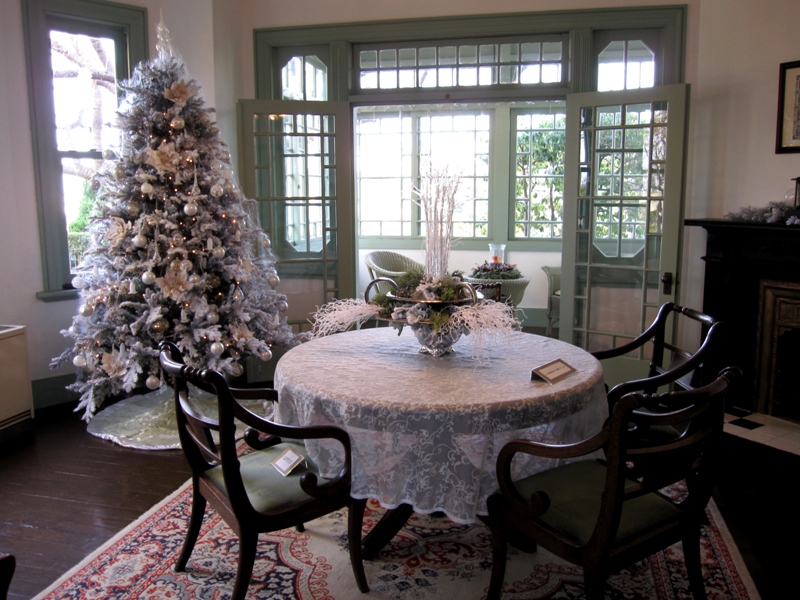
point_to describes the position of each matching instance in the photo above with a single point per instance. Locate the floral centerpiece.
(495, 270)
(438, 307)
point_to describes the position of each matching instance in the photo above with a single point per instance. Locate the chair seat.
(575, 492)
(266, 488)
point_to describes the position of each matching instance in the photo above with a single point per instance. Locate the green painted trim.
(52, 391)
(57, 296)
(38, 15)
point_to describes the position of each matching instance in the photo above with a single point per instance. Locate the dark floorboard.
(65, 492)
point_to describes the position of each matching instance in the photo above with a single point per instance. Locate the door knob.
(666, 279)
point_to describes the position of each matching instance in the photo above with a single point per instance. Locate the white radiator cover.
(16, 398)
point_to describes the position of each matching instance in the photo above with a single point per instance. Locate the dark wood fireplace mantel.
(739, 256)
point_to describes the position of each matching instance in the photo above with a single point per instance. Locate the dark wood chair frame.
(685, 370)
(8, 563)
(496, 286)
(688, 458)
(233, 504)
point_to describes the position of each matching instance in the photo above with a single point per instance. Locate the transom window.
(454, 64)
(625, 65)
(304, 78)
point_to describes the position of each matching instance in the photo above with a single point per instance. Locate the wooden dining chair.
(8, 563)
(669, 364)
(604, 515)
(242, 484)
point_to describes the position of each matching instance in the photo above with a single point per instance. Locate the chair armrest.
(276, 432)
(538, 503)
(254, 394)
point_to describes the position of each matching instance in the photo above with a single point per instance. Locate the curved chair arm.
(539, 502)
(642, 338)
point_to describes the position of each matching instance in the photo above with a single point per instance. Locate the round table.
(425, 431)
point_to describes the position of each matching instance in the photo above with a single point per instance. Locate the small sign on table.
(554, 371)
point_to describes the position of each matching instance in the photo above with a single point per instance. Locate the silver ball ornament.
(273, 280)
(148, 278)
(217, 190)
(265, 354)
(217, 348)
(218, 252)
(283, 306)
(152, 382)
(133, 208)
(213, 317)
(190, 209)
(147, 188)
(140, 241)
(236, 369)
(78, 282)
(109, 154)
(178, 123)
(119, 172)
(79, 361)
(86, 309)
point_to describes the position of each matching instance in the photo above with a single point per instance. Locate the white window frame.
(128, 23)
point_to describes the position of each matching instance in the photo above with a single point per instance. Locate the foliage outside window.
(76, 51)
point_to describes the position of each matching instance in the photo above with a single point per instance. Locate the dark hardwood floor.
(65, 492)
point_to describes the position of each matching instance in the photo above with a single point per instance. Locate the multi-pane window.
(461, 64)
(539, 171)
(395, 147)
(85, 101)
(76, 52)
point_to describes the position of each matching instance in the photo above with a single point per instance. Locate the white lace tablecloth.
(426, 431)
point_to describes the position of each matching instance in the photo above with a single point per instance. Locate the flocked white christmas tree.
(176, 252)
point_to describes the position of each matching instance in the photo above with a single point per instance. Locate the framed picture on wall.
(788, 139)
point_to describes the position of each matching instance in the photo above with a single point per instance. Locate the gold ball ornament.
(178, 123)
(147, 188)
(218, 252)
(160, 325)
(86, 310)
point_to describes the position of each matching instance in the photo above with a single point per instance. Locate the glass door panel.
(622, 217)
(290, 167)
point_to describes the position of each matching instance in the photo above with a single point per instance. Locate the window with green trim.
(517, 69)
(77, 50)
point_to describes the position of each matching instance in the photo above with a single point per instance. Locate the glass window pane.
(84, 92)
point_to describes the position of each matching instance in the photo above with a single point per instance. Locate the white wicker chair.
(553, 296)
(385, 263)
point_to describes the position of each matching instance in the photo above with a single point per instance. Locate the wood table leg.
(391, 522)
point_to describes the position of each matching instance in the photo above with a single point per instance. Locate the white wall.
(733, 48)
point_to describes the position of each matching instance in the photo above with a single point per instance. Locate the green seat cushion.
(575, 496)
(266, 488)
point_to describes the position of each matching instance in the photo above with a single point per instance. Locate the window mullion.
(500, 197)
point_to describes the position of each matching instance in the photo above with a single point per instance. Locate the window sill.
(57, 295)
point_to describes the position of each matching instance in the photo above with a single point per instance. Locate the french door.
(623, 215)
(299, 171)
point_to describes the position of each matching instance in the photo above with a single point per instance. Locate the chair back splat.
(605, 515)
(239, 480)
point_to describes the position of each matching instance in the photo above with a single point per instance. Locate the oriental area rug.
(431, 557)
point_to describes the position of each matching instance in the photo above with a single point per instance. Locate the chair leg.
(355, 522)
(694, 566)
(499, 557)
(193, 530)
(8, 563)
(300, 527)
(248, 543)
(594, 583)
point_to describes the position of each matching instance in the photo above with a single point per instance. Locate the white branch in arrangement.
(340, 315)
(438, 199)
(489, 324)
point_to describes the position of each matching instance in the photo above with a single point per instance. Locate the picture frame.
(788, 134)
